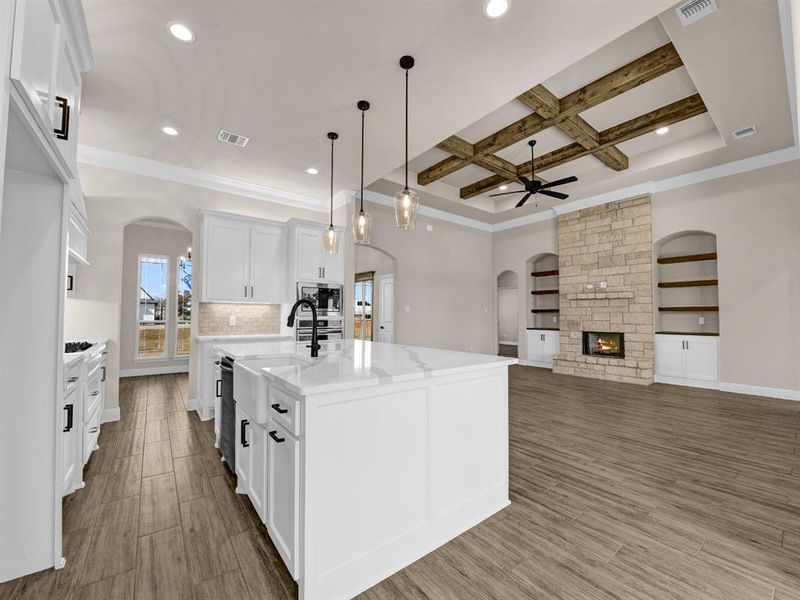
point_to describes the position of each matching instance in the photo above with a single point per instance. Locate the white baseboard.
(502, 343)
(533, 363)
(154, 371)
(110, 414)
(709, 385)
(760, 390)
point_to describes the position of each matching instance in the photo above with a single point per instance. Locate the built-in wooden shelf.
(544, 273)
(544, 310)
(669, 260)
(685, 284)
(688, 308)
(544, 292)
(708, 333)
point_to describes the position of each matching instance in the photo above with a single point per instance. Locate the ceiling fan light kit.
(362, 221)
(331, 235)
(533, 186)
(406, 201)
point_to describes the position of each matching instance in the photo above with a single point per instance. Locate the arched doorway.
(373, 295)
(507, 313)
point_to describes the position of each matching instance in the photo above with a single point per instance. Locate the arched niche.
(686, 283)
(542, 291)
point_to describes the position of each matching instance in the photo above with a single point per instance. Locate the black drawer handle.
(281, 411)
(70, 408)
(274, 436)
(103, 378)
(244, 423)
(72, 379)
(219, 388)
(62, 133)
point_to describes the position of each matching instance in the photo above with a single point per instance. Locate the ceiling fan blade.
(558, 195)
(506, 193)
(524, 199)
(559, 182)
(525, 181)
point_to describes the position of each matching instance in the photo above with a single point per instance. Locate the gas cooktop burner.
(70, 347)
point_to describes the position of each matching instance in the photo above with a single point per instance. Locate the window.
(362, 321)
(183, 305)
(152, 309)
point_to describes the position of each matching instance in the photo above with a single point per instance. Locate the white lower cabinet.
(71, 439)
(243, 435)
(687, 360)
(283, 523)
(543, 345)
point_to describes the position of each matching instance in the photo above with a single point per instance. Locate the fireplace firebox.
(610, 345)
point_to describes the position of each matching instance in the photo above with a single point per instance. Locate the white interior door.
(386, 317)
(507, 315)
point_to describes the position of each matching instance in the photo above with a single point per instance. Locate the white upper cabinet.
(267, 263)
(308, 261)
(244, 260)
(46, 69)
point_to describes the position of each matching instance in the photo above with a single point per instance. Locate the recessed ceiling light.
(169, 130)
(495, 8)
(662, 130)
(181, 32)
(312, 171)
(503, 188)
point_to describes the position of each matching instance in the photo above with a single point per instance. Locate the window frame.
(167, 355)
(176, 354)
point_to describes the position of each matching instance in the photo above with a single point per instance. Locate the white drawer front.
(284, 409)
(91, 431)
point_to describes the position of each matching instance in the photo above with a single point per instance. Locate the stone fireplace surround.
(610, 244)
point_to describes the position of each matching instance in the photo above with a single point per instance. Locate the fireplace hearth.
(608, 345)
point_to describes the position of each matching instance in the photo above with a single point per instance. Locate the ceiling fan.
(532, 186)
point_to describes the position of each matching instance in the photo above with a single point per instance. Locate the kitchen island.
(370, 456)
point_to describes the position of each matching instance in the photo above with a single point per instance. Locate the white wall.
(141, 239)
(94, 312)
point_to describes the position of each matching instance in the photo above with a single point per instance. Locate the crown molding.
(117, 161)
(433, 213)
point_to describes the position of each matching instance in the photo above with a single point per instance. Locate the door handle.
(219, 388)
(69, 283)
(62, 133)
(252, 295)
(103, 378)
(245, 291)
(274, 436)
(281, 411)
(72, 379)
(70, 408)
(97, 393)
(244, 423)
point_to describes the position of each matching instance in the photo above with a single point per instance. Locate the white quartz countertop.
(249, 336)
(349, 364)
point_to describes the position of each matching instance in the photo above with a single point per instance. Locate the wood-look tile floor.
(618, 492)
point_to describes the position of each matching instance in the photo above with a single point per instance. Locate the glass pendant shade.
(405, 208)
(330, 240)
(362, 227)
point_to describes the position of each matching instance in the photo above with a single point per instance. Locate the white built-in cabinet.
(71, 434)
(687, 359)
(261, 261)
(243, 261)
(543, 345)
(283, 519)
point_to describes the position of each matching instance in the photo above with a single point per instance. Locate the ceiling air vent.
(694, 10)
(745, 132)
(233, 138)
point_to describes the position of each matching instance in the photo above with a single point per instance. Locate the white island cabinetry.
(376, 454)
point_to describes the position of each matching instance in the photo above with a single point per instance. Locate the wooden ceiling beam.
(643, 69)
(547, 104)
(670, 114)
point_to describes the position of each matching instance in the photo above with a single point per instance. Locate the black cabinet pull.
(70, 408)
(274, 436)
(281, 411)
(69, 283)
(62, 133)
(103, 378)
(219, 388)
(244, 423)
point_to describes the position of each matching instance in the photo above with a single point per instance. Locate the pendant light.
(362, 221)
(406, 201)
(330, 236)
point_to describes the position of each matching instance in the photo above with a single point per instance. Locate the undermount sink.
(250, 385)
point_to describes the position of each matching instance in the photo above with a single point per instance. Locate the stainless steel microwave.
(328, 298)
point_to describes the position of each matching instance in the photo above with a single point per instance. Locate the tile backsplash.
(214, 319)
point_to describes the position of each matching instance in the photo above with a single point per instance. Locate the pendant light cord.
(362, 161)
(332, 182)
(406, 129)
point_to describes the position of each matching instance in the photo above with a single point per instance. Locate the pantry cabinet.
(687, 360)
(244, 260)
